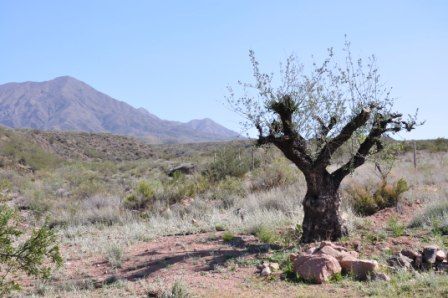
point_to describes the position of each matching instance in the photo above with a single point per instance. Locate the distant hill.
(67, 104)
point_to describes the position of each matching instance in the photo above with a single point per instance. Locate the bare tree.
(310, 115)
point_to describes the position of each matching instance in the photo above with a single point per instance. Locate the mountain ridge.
(68, 104)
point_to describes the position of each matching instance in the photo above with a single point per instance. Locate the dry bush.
(276, 174)
(367, 199)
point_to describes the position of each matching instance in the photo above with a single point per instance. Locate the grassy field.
(115, 209)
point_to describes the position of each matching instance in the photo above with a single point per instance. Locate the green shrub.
(227, 236)
(142, 197)
(115, 256)
(434, 216)
(225, 189)
(275, 174)
(366, 201)
(27, 153)
(178, 290)
(32, 256)
(266, 234)
(230, 161)
(397, 228)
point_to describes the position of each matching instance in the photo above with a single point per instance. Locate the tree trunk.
(322, 220)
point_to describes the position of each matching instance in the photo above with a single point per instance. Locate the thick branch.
(324, 129)
(380, 126)
(291, 147)
(347, 131)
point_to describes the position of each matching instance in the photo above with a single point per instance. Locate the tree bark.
(322, 220)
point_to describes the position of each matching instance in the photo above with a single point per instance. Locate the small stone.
(429, 254)
(274, 266)
(357, 246)
(266, 271)
(440, 255)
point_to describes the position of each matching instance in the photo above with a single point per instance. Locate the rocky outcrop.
(318, 264)
(430, 257)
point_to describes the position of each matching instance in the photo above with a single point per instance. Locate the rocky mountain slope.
(67, 104)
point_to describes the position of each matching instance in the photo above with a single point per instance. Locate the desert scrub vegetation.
(434, 216)
(367, 199)
(31, 253)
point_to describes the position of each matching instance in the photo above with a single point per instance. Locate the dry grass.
(85, 201)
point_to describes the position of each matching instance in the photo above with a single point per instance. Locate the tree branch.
(347, 131)
(380, 126)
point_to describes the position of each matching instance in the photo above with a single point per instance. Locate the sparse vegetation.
(87, 204)
(19, 253)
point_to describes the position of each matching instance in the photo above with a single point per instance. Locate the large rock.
(429, 254)
(183, 168)
(412, 254)
(316, 268)
(400, 261)
(440, 256)
(360, 269)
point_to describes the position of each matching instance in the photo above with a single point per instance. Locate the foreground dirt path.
(199, 261)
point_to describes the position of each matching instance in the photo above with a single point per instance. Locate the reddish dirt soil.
(199, 261)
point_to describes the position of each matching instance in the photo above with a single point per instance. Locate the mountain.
(67, 104)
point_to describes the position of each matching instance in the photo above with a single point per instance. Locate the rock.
(332, 245)
(400, 261)
(266, 271)
(183, 168)
(410, 253)
(316, 268)
(330, 251)
(274, 266)
(360, 269)
(417, 264)
(346, 261)
(357, 246)
(429, 254)
(380, 276)
(440, 255)
(442, 267)
(311, 250)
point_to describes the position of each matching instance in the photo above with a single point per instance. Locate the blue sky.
(175, 58)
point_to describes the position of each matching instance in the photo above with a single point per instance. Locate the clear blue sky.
(175, 58)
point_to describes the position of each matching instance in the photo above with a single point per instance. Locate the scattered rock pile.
(267, 269)
(319, 264)
(431, 257)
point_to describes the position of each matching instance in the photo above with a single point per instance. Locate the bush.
(266, 234)
(397, 228)
(275, 174)
(434, 216)
(228, 236)
(24, 152)
(32, 256)
(178, 290)
(366, 201)
(142, 197)
(115, 256)
(226, 189)
(230, 161)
